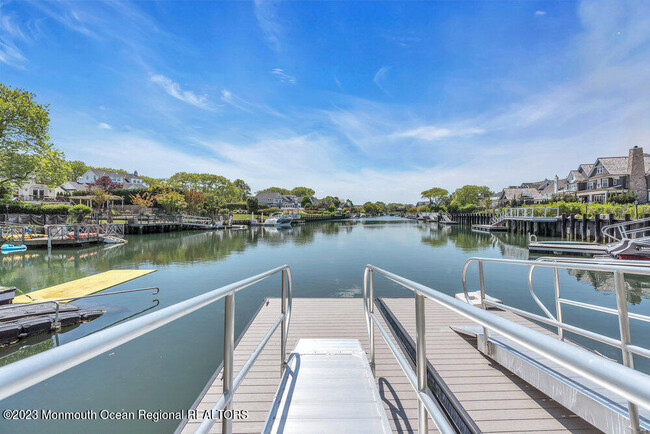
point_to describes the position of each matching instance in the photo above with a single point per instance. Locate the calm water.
(166, 369)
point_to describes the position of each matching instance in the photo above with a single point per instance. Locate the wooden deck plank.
(84, 286)
(498, 400)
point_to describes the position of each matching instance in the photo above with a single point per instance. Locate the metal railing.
(631, 385)
(529, 212)
(627, 230)
(30, 371)
(608, 266)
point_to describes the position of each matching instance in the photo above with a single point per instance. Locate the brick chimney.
(636, 171)
(555, 181)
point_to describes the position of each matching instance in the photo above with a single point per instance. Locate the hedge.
(31, 208)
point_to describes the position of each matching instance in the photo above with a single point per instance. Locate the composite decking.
(497, 400)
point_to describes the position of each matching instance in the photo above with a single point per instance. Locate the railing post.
(481, 278)
(283, 349)
(558, 304)
(421, 359)
(371, 309)
(626, 337)
(228, 356)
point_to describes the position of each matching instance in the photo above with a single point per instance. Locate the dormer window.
(600, 169)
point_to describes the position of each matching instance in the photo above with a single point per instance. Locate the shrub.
(622, 198)
(453, 207)
(233, 206)
(252, 205)
(469, 208)
(80, 211)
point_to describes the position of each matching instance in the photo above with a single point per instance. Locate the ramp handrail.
(634, 386)
(606, 265)
(622, 230)
(27, 372)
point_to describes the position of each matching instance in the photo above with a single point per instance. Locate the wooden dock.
(497, 400)
(80, 287)
(569, 248)
(489, 228)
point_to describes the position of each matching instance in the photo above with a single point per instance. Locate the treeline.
(466, 199)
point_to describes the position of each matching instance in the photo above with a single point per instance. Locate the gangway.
(329, 332)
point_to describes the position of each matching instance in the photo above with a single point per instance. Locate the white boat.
(278, 220)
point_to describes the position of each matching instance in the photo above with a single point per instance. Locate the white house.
(128, 180)
(32, 190)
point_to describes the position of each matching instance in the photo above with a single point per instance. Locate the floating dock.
(489, 228)
(574, 248)
(83, 286)
(487, 396)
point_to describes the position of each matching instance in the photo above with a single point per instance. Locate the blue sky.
(365, 100)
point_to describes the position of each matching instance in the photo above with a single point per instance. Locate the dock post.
(228, 350)
(599, 236)
(583, 229)
(563, 226)
(572, 226)
(421, 359)
(49, 241)
(23, 235)
(626, 338)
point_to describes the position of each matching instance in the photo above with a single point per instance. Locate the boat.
(8, 248)
(278, 219)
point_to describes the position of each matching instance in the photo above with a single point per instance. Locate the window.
(598, 183)
(590, 185)
(616, 181)
(600, 169)
(606, 182)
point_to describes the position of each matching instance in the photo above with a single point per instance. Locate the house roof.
(268, 195)
(74, 185)
(516, 193)
(110, 173)
(535, 184)
(577, 174)
(550, 187)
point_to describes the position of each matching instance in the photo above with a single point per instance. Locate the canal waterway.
(165, 370)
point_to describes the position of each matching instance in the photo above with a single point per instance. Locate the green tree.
(25, 148)
(436, 195)
(331, 200)
(153, 182)
(245, 188)
(275, 190)
(370, 207)
(171, 201)
(471, 194)
(252, 205)
(302, 191)
(381, 206)
(306, 202)
(77, 168)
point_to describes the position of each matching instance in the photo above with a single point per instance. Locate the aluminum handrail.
(27, 372)
(606, 265)
(634, 386)
(418, 381)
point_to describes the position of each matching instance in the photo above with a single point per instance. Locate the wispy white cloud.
(104, 126)
(243, 104)
(380, 78)
(10, 36)
(174, 89)
(431, 133)
(267, 20)
(283, 76)
(540, 13)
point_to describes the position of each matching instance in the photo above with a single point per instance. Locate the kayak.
(6, 248)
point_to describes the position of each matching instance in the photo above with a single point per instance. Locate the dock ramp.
(327, 387)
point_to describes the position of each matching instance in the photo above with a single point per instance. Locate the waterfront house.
(35, 191)
(595, 182)
(271, 199)
(127, 180)
(526, 195)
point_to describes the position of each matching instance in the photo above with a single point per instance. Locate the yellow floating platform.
(83, 286)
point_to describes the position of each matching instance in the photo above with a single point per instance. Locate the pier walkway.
(495, 399)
